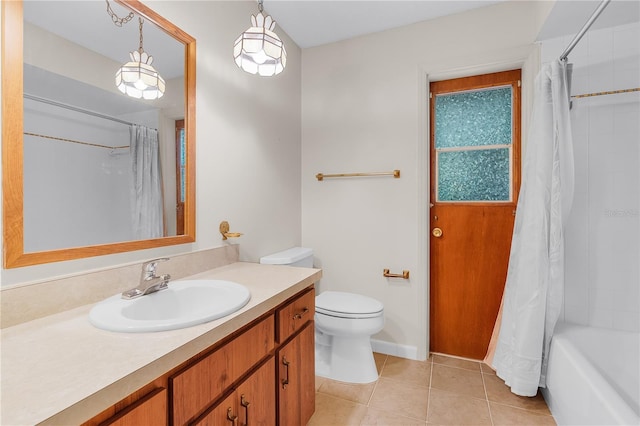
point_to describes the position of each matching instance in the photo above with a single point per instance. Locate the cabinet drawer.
(195, 388)
(150, 410)
(295, 314)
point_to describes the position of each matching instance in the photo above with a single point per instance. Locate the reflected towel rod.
(395, 174)
(75, 141)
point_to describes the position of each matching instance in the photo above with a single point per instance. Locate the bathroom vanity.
(257, 363)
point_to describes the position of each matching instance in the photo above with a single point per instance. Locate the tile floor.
(440, 391)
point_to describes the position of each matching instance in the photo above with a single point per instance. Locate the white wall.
(602, 285)
(364, 110)
(247, 145)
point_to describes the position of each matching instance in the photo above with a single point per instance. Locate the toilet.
(344, 325)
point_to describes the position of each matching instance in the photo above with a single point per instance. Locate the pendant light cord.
(140, 26)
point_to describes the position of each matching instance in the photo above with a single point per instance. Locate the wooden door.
(475, 177)
(181, 156)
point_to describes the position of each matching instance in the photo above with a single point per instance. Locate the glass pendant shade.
(139, 79)
(259, 50)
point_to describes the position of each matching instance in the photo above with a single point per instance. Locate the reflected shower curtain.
(146, 188)
(535, 279)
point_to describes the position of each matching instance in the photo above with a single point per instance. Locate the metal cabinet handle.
(245, 404)
(285, 381)
(233, 419)
(301, 313)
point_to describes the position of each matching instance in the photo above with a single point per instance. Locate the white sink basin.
(184, 304)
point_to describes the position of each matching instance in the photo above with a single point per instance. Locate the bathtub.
(593, 376)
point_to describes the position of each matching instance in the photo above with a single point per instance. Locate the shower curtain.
(146, 188)
(535, 279)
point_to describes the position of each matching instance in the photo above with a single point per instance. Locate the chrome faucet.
(149, 281)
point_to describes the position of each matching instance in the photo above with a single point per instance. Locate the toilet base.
(346, 359)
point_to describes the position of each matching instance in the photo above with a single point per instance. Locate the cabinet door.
(307, 373)
(150, 410)
(252, 403)
(223, 414)
(256, 398)
(296, 379)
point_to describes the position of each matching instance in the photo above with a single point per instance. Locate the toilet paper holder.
(404, 275)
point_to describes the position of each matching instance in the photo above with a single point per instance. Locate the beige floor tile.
(505, 415)
(319, 382)
(360, 393)
(446, 408)
(457, 380)
(456, 362)
(376, 417)
(486, 369)
(400, 397)
(380, 359)
(331, 411)
(407, 370)
(498, 392)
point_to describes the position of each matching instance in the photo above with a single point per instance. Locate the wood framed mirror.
(21, 235)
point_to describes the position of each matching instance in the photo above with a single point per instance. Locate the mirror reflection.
(99, 166)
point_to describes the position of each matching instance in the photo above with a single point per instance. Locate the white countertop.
(62, 370)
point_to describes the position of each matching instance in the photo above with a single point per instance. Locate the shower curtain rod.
(76, 109)
(584, 29)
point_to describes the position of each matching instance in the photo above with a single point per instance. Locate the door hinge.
(519, 83)
(430, 95)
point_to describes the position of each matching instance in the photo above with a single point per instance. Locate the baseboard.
(395, 349)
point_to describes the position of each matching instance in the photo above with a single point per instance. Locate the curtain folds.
(535, 279)
(146, 187)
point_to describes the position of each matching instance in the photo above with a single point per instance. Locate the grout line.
(429, 390)
(372, 392)
(486, 396)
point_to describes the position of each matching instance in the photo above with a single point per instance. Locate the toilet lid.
(341, 304)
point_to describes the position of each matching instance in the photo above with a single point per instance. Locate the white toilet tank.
(295, 256)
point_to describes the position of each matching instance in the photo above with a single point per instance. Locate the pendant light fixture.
(259, 50)
(138, 78)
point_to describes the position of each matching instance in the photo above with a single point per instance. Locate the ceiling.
(568, 17)
(315, 22)
(87, 23)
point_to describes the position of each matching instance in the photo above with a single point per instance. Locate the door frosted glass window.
(473, 144)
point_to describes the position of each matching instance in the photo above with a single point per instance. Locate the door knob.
(437, 232)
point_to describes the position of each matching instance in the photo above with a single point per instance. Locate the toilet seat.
(348, 305)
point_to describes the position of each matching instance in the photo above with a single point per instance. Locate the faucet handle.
(150, 266)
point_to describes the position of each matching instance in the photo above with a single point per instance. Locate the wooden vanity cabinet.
(238, 381)
(200, 384)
